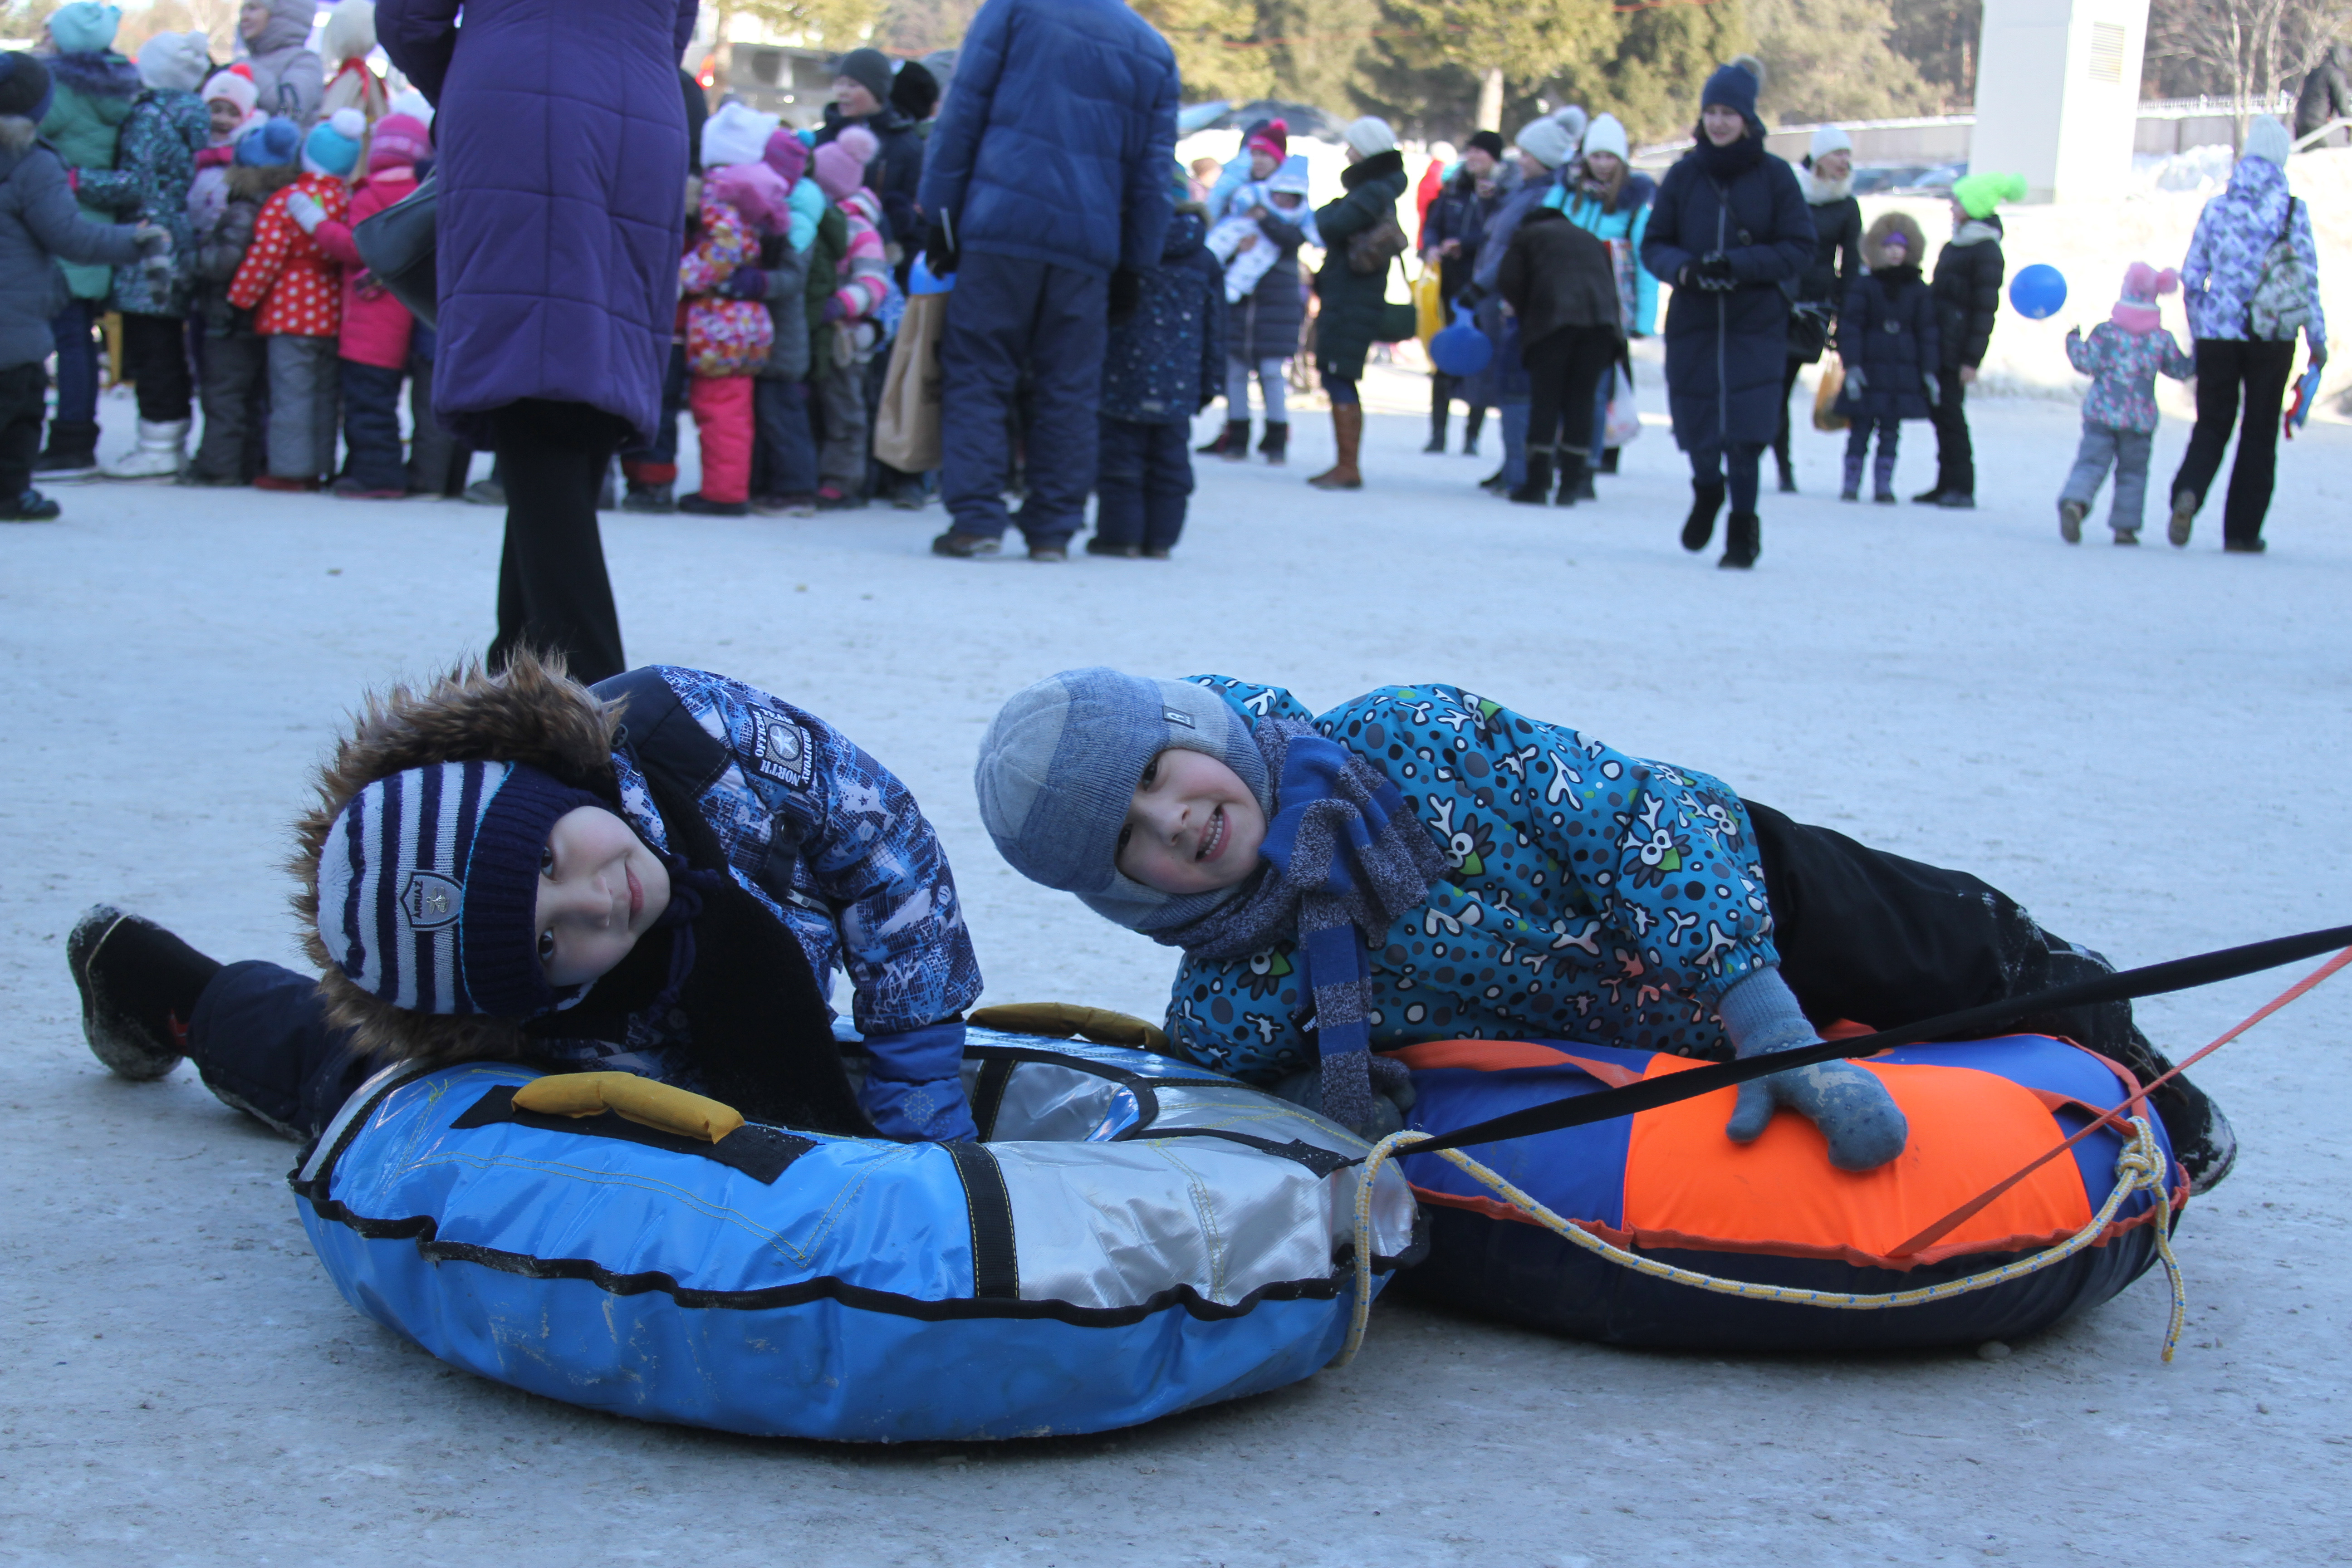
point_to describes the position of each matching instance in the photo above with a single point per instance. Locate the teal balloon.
(2038, 290)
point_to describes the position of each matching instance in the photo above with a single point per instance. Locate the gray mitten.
(1392, 1095)
(1848, 1103)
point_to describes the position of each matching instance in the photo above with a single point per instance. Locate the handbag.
(1371, 247)
(1400, 319)
(398, 246)
(906, 425)
(2280, 305)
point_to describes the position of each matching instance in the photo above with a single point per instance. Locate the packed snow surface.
(2148, 747)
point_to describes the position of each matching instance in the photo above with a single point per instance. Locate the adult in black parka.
(1728, 228)
(1827, 180)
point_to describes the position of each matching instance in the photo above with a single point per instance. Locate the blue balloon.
(2038, 290)
(1460, 349)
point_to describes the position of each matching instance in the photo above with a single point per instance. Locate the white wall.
(2058, 93)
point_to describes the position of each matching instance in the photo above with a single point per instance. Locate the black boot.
(72, 450)
(1495, 482)
(139, 988)
(1216, 448)
(1236, 441)
(1276, 443)
(1436, 429)
(1705, 501)
(1609, 459)
(1853, 490)
(1575, 478)
(1537, 488)
(1788, 471)
(1472, 423)
(1743, 542)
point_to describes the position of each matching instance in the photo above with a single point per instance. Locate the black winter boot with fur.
(139, 987)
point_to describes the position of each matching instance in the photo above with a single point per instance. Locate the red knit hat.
(1271, 136)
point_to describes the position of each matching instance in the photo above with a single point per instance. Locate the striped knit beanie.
(428, 887)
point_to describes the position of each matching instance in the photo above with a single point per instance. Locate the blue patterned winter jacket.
(1595, 897)
(870, 895)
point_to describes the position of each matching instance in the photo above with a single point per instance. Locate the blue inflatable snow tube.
(1133, 1237)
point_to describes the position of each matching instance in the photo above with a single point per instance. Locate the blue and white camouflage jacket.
(1595, 897)
(871, 893)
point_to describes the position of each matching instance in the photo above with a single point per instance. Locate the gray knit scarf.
(1344, 858)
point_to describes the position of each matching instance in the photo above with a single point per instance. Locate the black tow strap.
(2155, 980)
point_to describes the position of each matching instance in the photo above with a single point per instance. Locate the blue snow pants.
(1006, 317)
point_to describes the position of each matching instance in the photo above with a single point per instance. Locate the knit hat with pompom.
(841, 163)
(2138, 310)
(333, 145)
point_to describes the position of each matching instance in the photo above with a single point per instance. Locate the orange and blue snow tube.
(1668, 1185)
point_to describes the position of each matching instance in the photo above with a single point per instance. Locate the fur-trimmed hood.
(98, 74)
(1874, 244)
(248, 183)
(531, 712)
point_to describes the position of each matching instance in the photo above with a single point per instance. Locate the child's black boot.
(1881, 479)
(1537, 488)
(1852, 490)
(139, 988)
(1276, 443)
(1575, 478)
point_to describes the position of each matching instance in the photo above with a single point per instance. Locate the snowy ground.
(2148, 747)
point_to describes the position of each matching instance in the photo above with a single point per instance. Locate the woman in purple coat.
(563, 152)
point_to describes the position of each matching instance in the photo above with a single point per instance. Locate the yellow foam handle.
(1063, 1019)
(662, 1106)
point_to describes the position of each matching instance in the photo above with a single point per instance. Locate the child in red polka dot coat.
(295, 291)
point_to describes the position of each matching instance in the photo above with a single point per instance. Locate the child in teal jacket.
(1422, 863)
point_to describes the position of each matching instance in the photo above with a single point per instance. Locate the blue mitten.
(1848, 1103)
(913, 1085)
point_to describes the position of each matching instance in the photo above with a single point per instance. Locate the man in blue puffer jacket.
(1046, 186)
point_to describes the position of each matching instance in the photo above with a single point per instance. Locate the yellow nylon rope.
(2141, 1167)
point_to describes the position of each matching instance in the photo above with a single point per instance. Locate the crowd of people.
(1093, 306)
(1771, 269)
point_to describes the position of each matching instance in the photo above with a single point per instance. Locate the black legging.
(2222, 365)
(155, 357)
(1564, 372)
(1788, 386)
(553, 591)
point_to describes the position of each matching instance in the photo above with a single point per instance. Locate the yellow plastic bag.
(1428, 305)
(1825, 414)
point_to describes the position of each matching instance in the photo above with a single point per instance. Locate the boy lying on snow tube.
(1421, 864)
(508, 867)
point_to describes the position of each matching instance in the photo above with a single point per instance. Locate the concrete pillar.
(2058, 94)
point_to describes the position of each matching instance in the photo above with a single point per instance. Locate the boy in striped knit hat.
(658, 876)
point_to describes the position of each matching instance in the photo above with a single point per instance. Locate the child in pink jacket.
(377, 329)
(726, 338)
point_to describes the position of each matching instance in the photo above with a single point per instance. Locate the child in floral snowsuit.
(2124, 354)
(727, 340)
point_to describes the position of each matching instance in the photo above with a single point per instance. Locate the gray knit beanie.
(1058, 769)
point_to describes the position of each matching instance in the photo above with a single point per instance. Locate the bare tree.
(2251, 50)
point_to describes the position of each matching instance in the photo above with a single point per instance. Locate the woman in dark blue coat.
(562, 156)
(1728, 227)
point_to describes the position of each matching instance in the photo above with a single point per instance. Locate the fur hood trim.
(1874, 244)
(107, 75)
(531, 712)
(247, 183)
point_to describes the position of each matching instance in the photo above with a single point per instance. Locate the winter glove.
(1392, 1097)
(940, 253)
(153, 238)
(745, 283)
(1928, 385)
(833, 310)
(1710, 274)
(1857, 378)
(913, 1085)
(1848, 1103)
(304, 209)
(1126, 293)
